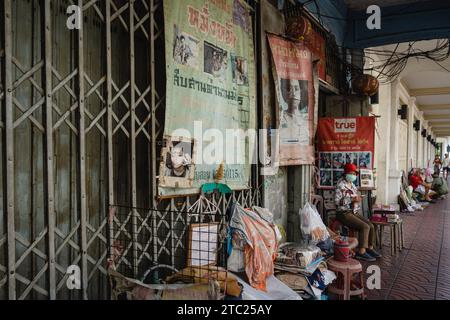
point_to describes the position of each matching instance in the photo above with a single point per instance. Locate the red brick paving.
(421, 271)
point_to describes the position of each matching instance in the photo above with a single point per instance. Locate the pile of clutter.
(253, 242)
(302, 266)
(258, 265)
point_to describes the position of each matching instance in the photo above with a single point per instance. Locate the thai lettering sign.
(293, 76)
(341, 141)
(210, 89)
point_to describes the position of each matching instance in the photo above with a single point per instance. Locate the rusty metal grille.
(160, 238)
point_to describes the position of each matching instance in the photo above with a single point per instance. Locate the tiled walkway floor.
(422, 269)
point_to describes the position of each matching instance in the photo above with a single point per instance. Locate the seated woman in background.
(348, 206)
(420, 186)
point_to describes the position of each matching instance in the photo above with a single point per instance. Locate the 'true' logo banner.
(345, 125)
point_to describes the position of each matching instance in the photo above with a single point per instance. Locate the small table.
(396, 230)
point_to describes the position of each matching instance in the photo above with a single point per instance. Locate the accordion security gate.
(81, 122)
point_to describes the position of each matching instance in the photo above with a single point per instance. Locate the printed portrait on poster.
(239, 70)
(177, 167)
(292, 71)
(185, 49)
(215, 61)
(293, 112)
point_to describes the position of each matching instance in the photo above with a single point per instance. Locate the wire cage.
(170, 246)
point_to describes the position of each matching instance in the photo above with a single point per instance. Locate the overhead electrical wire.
(388, 64)
(391, 68)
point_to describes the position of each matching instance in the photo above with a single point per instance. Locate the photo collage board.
(331, 165)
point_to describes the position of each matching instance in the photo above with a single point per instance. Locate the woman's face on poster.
(293, 93)
(177, 157)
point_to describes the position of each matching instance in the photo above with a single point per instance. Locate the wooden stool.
(345, 272)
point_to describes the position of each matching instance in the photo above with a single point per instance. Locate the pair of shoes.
(374, 254)
(365, 257)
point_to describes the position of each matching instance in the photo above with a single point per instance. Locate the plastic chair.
(345, 272)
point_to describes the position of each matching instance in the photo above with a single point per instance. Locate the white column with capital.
(394, 179)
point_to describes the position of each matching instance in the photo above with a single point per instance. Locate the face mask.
(350, 177)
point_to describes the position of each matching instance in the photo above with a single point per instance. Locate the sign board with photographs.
(366, 178)
(293, 76)
(342, 141)
(211, 89)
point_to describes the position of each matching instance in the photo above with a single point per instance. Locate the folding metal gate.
(81, 120)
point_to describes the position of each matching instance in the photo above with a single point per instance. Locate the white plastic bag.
(235, 262)
(311, 224)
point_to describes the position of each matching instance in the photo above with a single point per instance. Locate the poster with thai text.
(293, 76)
(210, 93)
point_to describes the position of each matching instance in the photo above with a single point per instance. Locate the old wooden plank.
(65, 153)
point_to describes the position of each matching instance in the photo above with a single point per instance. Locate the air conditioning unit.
(424, 133)
(403, 112)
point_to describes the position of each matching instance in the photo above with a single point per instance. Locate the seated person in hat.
(420, 186)
(348, 205)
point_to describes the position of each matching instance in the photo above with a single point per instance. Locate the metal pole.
(82, 156)
(47, 53)
(153, 142)
(110, 128)
(9, 135)
(133, 134)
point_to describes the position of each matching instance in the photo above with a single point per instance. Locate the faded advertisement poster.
(210, 94)
(342, 141)
(293, 76)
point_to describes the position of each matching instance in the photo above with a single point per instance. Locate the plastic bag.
(311, 224)
(236, 260)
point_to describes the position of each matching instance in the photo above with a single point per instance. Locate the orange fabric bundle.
(260, 255)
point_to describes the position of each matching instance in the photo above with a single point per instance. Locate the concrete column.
(382, 142)
(394, 179)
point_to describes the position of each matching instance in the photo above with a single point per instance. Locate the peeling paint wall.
(274, 187)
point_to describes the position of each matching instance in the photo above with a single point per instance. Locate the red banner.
(342, 141)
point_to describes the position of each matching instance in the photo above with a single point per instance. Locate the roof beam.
(429, 91)
(441, 131)
(441, 117)
(439, 123)
(400, 23)
(431, 107)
